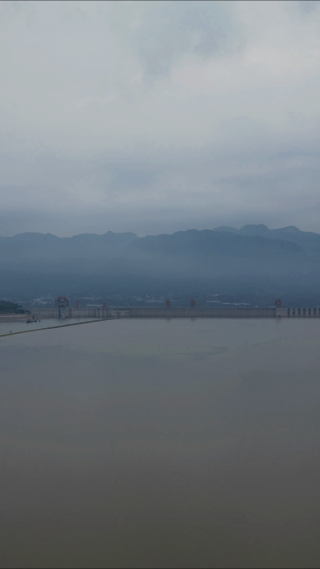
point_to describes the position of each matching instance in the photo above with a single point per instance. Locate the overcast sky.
(155, 117)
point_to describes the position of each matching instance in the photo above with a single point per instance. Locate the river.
(161, 443)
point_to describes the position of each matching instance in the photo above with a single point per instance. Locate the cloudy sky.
(158, 116)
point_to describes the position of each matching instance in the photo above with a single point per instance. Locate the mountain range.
(122, 261)
(223, 250)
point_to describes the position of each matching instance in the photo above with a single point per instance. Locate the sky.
(156, 117)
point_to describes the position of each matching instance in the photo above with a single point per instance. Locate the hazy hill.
(306, 239)
(214, 252)
(33, 263)
(33, 247)
(253, 249)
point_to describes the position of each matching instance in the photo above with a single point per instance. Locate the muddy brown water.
(162, 443)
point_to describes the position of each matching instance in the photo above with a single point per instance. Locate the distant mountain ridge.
(36, 246)
(290, 233)
(253, 249)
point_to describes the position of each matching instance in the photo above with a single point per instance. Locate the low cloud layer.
(161, 116)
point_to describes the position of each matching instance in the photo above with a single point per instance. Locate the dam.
(63, 311)
(156, 312)
(175, 312)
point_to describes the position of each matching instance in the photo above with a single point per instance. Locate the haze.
(156, 117)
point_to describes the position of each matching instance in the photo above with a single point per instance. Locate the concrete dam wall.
(70, 312)
(204, 312)
(155, 312)
(163, 312)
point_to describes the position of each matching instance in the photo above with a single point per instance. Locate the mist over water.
(163, 443)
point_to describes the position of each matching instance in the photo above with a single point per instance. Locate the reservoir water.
(161, 443)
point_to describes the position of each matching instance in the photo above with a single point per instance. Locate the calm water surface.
(162, 443)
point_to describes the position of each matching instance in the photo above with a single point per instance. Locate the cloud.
(308, 6)
(165, 32)
(152, 116)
